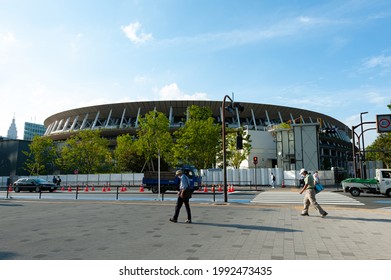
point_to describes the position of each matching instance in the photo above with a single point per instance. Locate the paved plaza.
(126, 230)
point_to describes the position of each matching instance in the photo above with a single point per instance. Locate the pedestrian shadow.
(11, 205)
(362, 219)
(249, 227)
(7, 255)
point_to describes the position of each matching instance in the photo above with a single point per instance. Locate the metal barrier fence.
(237, 177)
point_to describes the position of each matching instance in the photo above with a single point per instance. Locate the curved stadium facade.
(121, 118)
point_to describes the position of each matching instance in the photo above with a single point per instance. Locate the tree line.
(198, 143)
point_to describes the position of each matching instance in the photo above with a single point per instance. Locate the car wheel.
(355, 192)
(388, 193)
(16, 189)
(155, 189)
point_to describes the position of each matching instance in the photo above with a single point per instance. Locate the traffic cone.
(104, 189)
(220, 188)
(69, 189)
(92, 188)
(10, 188)
(63, 188)
(205, 189)
(86, 188)
(141, 188)
(283, 184)
(213, 188)
(232, 188)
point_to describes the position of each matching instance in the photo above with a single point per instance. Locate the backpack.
(318, 188)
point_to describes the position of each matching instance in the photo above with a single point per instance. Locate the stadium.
(327, 139)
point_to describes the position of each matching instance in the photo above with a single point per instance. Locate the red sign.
(383, 123)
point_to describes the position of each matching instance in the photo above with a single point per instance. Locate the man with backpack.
(309, 198)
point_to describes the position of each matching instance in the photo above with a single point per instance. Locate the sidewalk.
(96, 230)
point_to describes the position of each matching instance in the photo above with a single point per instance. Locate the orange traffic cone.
(63, 188)
(213, 188)
(10, 188)
(205, 189)
(92, 188)
(86, 188)
(220, 188)
(141, 188)
(283, 184)
(104, 189)
(69, 189)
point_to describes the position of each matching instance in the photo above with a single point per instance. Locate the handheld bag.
(318, 188)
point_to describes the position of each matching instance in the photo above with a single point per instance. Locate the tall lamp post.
(362, 166)
(354, 134)
(224, 148)
(223, 134)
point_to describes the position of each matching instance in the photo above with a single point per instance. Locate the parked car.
(33, 184)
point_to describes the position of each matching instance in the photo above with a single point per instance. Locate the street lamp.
(363, 172)
(232, 107)
(354, 134)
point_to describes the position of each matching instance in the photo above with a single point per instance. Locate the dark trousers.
(180, 201)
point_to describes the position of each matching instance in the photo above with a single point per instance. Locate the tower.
(12, 131)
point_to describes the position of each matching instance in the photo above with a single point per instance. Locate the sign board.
(383, 123)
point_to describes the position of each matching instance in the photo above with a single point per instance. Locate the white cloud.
(139, 79)
(7, 38)
(172, 92)
(378, 61)
(378, 98)
(304, 19)
(132, 31)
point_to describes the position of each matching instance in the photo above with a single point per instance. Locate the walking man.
(184, 196)
(273, 180)
(309, 198)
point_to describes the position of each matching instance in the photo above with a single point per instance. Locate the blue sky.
(333, 56)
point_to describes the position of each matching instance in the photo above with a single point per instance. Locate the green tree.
(87, 152)
(380, 149)
(153, 136)
(198, 141)
(125, 154)
(42, 155)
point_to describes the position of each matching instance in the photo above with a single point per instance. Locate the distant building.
(12, 131)
(313, 140)
(32, 129)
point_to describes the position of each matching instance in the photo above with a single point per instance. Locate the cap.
(178, 172)
(302, 170)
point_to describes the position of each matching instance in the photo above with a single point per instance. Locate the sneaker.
(304, 214)
(188, 221)
(172, 220)
(324, 214)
